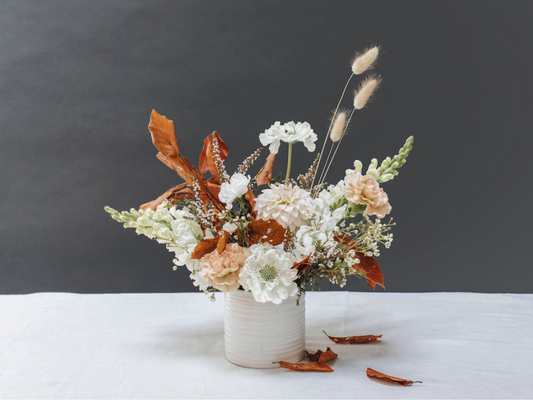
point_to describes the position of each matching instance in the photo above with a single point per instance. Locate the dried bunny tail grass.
(367, 88)
(338, 127)
(364, 61)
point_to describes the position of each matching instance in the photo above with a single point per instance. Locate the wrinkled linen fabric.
(461, 345)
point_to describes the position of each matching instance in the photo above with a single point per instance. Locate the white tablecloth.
(461, 345)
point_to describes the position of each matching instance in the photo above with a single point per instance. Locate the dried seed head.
(367, 88)
(364, 61)
(338, 127)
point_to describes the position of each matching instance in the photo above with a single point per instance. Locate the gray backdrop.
(78, 81)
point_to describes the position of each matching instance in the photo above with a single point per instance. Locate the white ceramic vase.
(258, 335)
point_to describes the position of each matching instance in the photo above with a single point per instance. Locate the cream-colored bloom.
(269, 274)
(288, 205)
(367, 88)
(365, 190)
(289, 133)
(365, 60)
(338, 127)
(221, 270)
(235, 188)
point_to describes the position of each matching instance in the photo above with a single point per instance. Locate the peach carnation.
(365, 190)
(220, 270)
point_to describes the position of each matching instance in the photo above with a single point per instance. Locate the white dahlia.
(287, 204)
(269, 274)
(289, 133)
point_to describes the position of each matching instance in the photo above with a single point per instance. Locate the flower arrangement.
(270, 237)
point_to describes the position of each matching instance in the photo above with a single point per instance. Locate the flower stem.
(289, 160)
(329, 129)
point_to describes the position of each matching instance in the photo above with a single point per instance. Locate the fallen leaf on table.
(310, 366)
(372, 373)
(354, 339)
(322, 356)
(313, 356)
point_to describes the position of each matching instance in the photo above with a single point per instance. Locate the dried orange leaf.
(221, 246)
(313, 356)
(265, 175)
(301, 266)
(372, 373)
(207, 157)
(322, 356)
(182, 166)
(180, 192)
(353, 339)
(371, 271)
(265, 231)
(249, 197)
(326, 356)
(204, 247)
(163, 134)
(213, 185)
(367, 266)
(310, 366)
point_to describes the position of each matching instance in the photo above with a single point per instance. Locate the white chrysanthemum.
(288, 205)
(269, 274)
(289, 133)
(235, 188)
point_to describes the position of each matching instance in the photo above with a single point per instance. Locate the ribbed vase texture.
(258, 335)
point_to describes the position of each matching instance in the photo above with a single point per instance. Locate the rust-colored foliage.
(372, 373)
(207, 157)
(221, 245)
(310, 366)
(180, 192)
(164, 139)
(213, 185)
(250, 198)
(265, 174)
(367, 266)
(371, 269)
(205, 246)
(265, 231)
(353, 339)
(163, 134)
(302, 265)
(322, 356)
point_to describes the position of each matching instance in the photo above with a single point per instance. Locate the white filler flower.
(235, 188)
(289, 133)
(288, 205)
(269, 274)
